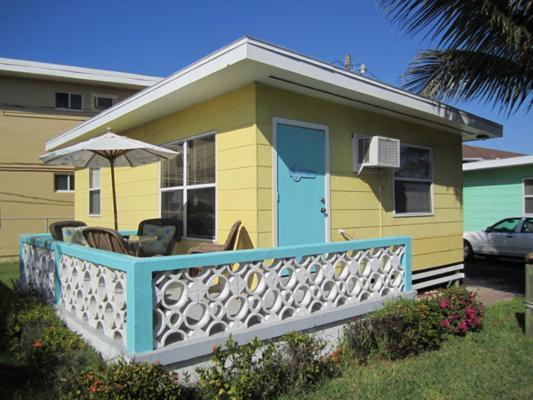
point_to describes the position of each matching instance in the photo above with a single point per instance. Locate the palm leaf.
(484, 48)
(462, 75)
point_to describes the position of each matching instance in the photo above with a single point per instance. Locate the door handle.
(323, 210)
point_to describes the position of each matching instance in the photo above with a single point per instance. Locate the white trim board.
(500, 163)
(249, 60)
(25, 68)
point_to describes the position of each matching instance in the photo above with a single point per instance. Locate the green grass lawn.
(496, 363)
(9, 271)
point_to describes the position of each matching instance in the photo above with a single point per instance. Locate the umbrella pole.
(114, 193)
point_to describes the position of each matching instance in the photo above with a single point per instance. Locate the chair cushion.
(74, 235)
(164, 235)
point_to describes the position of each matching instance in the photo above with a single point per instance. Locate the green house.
(497, 189)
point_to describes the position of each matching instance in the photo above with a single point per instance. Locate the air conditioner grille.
(388, 152)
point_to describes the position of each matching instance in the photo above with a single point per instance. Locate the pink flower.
(462, 326)
(445, 324)
(444, 303)
(469, 312)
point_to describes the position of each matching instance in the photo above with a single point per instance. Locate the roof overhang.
(68, 73)
(249, 60)
(500, 163)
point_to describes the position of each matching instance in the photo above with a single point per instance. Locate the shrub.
(400, 329)
(262, 371)
(460, 311)
(250, 371)
(136, 380)
(303, 362)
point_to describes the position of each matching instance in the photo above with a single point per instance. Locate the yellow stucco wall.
(232, 117)
(354, 200)
(243, 122)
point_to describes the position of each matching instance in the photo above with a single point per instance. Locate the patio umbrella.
(110, 150)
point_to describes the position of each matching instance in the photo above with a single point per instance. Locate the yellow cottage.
(299, 150)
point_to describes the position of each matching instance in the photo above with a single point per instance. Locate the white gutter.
(500, 163)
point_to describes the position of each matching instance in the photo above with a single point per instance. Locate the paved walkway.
(495, 280)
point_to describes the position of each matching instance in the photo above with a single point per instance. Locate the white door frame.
(300, 124)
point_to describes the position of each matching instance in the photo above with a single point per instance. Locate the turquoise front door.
(301, 178)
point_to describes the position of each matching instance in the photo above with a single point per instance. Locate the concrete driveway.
(495, 279)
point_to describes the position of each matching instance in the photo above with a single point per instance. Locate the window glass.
(201, 213)
(528, 187)
(61, 183)
(101, 103)
(189, 194)
(507, 225)
(75, 101)
(172, 170)
(62, 100)
(527, 227)
(94, 202)
(172, 204)
(72, 182)
(528, 206)
(415, 163)
(94, 191)
(412, 197)
(94, 178)
(201, 161)
(413, 181)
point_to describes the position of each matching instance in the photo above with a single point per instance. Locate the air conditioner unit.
(375, 151)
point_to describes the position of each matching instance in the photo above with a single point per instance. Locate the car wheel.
(468, 253)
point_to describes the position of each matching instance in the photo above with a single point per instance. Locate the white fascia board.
(323, 72)
(202, 68)
(16, 67)
(500, 163)
(279, 59)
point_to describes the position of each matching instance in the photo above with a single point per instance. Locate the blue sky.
(159, 37)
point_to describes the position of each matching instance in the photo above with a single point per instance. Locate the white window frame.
(430, 181)
(185, 187)
(526, 196)
(93, 189)
(69, 183)
(69, 101)
(113, 97)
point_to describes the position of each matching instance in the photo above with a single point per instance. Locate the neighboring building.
(37, 101)
(497, 189)
(265, 136)
(474, 153)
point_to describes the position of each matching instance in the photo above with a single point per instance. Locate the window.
(94, 191)
(188, 186)
(70, 101)
(527, 226)
(63, 183)
(413, 181)
(528, 196)
(506, 226)
(103, 101)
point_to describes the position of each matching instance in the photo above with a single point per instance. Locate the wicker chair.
(229, 244)
(168, 232)
(56, 229)
(106, 239)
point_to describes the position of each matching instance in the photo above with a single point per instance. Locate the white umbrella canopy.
(109, 150)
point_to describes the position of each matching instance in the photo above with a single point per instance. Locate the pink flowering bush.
(460, 311)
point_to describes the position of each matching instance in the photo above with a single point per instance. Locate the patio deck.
(174, 308)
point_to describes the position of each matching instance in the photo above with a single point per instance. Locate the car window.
(527, 227)
(506, 226)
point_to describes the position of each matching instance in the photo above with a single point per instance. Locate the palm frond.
(483, 48)
(462, 75)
